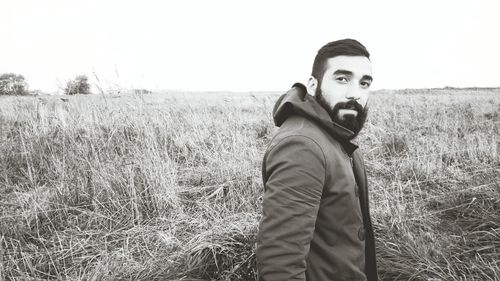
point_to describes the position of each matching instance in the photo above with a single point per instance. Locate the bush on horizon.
(79, 85)
(13, 84)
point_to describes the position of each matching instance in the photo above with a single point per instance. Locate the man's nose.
(353, 93)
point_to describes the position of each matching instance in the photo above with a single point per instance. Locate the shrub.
(142, 91)
(79, 85)
(13, 84)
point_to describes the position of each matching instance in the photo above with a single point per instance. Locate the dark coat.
(316, 223)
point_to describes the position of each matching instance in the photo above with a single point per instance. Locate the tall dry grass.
(168, 187)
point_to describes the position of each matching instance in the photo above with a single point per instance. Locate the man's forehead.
(358, 65)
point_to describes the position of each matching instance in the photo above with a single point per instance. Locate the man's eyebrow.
(349, 73)
(367, 77)
(343, 71)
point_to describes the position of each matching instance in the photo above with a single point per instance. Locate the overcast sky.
(246, 45)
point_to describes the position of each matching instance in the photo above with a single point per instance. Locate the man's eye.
(365, 84)
(341, 79)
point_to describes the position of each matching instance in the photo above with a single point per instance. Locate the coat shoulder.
(300, 126)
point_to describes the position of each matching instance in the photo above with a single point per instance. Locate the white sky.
(246, 45)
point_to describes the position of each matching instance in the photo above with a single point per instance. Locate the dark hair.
(344, 47)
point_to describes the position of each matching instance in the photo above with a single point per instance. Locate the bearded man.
(316, 222)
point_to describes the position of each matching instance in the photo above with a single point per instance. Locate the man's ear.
(312, 84)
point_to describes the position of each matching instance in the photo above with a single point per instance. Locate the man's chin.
(351, 121)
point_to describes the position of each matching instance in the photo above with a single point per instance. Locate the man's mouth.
(344, 112)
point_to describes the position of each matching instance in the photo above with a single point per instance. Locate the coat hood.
(297, 102)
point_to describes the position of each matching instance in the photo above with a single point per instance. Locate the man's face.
(344, 90)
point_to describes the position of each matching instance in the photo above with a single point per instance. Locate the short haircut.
(344, 47)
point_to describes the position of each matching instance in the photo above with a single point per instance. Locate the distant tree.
(13, 84)
(79, 85)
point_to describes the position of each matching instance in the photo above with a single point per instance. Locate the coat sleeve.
(294, 175)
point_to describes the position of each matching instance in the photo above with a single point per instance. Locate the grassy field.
(168, 186)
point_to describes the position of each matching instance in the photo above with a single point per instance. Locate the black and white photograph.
(319, 140)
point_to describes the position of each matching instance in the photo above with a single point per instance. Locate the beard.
(353, 123)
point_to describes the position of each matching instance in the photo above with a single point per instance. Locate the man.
(316, 223)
